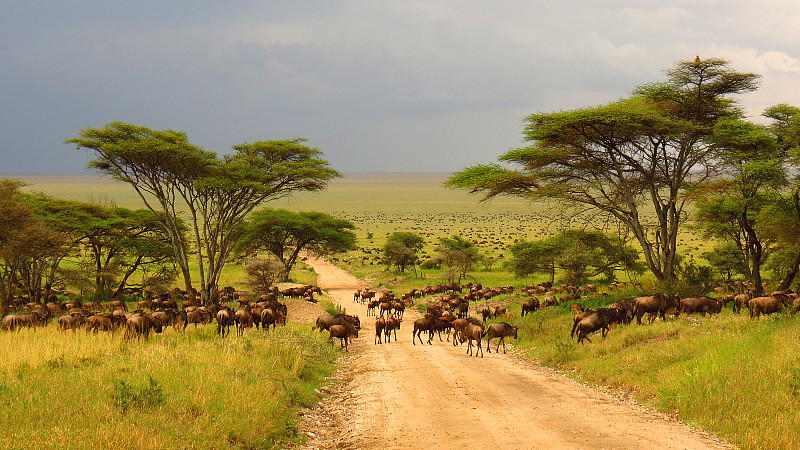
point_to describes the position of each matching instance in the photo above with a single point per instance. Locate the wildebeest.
(486, 313)
(325, 322)
(599, 320)
(500, 330)
(243, 319)
(70, 322)
(767, 305)
(344, 333)
(198, 316)
(657, 305)
(140, 326)
(272, 317)
(578, 317)
(473, 333)
(423, 324)
(380, 329)
(530, 305)
(9, 322)
(225, 321)
(702, 305)
(741, 300)
(392, 324)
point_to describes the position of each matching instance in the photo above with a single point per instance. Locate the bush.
(149, 396)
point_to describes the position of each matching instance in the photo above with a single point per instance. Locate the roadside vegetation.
(176, 390)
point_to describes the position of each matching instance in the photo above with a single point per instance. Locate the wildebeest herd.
(176, 308)
(448, 312)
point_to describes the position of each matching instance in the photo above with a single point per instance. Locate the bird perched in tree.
(697, 58)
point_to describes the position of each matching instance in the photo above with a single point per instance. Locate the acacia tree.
(401, 249)
(581, 254)
(116, 242)
(784, 217)
(286, 234)
(30, 252)
(618, 159)
(751, 171)
(170, 174)
(459, 255)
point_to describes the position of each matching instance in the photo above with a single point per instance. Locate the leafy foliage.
(285, 234)
(581, 254)
(615, 159)
(401, 249)
(167, 171)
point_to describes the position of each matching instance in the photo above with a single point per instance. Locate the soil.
(399, 395)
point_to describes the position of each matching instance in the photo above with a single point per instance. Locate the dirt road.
(398, 395)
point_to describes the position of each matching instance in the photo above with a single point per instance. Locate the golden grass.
(58, 390)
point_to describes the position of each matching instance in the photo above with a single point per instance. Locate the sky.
(377, 86)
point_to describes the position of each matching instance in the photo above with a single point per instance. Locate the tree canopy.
(580, 254)
(401, 249)
(171, 175)
(285, 234)
(620, 159)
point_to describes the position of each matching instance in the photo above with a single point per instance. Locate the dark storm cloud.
(391, 85)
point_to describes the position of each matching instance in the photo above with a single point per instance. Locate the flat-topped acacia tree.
(625, 157)
(170, 174)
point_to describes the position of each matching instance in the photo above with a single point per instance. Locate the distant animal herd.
(447, 311)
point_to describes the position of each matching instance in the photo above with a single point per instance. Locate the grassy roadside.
(177, 390)
(736, 377)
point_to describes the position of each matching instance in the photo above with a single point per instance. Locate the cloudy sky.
(379, 85)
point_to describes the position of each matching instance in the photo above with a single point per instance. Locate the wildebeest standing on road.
(344, 333)
(500, 330)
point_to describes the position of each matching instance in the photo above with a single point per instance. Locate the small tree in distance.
(459, 255)
(286, 234)
(263, 272)
(401, 249)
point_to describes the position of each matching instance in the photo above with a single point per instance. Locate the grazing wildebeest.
(599, 320)
(9, 322)
(530, 305)
(657, 305)
(272, 317)
(700, 305)
(140, 325)
(473, 333)
(344, 333)
(198, 316)
(767, 305)
(500, 330)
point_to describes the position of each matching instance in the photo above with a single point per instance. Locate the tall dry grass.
(188, 389)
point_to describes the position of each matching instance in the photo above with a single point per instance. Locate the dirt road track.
(397, 395)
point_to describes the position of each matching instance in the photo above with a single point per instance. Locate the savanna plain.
(733, 376)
